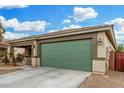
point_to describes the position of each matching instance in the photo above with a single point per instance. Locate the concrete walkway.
(43, 77)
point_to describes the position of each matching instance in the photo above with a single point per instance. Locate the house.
(85, 49)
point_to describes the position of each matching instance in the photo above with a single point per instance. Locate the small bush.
(19, 57)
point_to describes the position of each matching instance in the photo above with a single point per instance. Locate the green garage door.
(75, 55)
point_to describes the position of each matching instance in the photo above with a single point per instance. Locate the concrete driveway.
(43, 77)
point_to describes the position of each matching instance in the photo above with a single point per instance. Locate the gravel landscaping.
(112, 79)
(4, 69)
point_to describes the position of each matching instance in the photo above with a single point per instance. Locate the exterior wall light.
(100, 42)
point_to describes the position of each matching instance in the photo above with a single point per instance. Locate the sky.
(25, 20)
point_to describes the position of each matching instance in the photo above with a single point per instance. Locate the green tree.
(2, 31)
(120, 48)
(19, 57)
(3, 53)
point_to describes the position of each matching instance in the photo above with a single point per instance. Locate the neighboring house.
(85, 49)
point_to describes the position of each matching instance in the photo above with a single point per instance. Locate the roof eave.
(70, 32)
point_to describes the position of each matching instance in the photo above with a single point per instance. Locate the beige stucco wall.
(109, 48)
(99, 66)
(103, 51)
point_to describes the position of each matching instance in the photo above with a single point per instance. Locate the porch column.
(35, 57)
(25, 56)
(11, 54)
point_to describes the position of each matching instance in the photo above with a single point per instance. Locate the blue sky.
(21, 21)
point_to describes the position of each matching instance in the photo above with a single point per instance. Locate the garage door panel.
(75, 55)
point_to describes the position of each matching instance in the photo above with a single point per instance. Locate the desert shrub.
(19, 57)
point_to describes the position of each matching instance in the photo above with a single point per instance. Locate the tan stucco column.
(25, 56)
(11, 54)
(35, 57)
